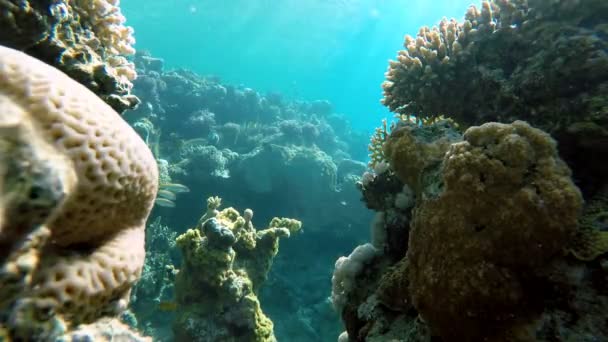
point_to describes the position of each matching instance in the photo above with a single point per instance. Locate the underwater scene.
(304, 170)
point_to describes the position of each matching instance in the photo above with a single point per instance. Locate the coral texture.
(544, 62)
(411, 150)
(86, 39)
(500, 244)
(462, 257)
(104, 330)
(226, 260)
(84, 181)
(591, 239)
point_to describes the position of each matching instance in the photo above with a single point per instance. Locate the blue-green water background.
(336, 50)
(304, 49)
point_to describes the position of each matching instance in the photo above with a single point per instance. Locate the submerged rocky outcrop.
(488, 227)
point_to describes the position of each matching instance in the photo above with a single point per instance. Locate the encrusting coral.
(86, 39)
(461, 257)
(226, 260)
(78, 184)
(500, 244)
(412, 150)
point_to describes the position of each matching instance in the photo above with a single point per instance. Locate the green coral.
(226, 260)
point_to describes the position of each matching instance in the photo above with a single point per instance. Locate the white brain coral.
(96, 248)
(345, 271)
(117, 174)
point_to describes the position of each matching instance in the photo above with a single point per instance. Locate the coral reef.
(413, 151)
(77, 187)
(524, 272)
(226, 260)
(500, 245)
(293, 157)
(104, 330)
(544, 62)
(86, 39)
(155, 286)
(346, 269)
(366, 293)
(591, 239)
(461, 257)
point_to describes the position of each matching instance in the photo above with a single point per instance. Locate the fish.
(196, 141)
(167, 306)
(175, 187)
(166, 194)
(163, 202)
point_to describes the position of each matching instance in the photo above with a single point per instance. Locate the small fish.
(163, 202)
(175, 187)
(167, 306)
(213, 138)
(196, 141)
(166, 194)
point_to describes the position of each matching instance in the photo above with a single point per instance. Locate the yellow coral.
(222, 271)
(507, 207)
(376, 146)
(410, 149)
(282, 222)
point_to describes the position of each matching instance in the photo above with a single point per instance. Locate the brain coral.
(507, 207)
(95, 251)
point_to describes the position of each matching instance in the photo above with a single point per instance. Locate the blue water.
(312, 49)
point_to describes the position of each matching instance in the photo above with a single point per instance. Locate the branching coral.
(544, 62)
(376, 146)
(77, 187)
(87, 39)
(225, 262)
